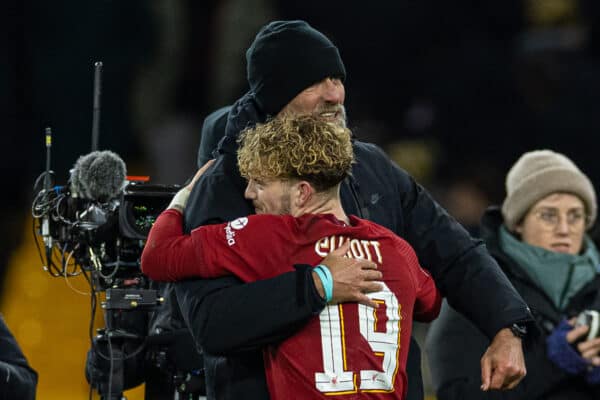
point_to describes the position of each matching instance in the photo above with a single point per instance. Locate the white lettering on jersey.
(229, 234)
(233, 226)
(369, 249)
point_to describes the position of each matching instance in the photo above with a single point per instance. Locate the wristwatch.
(519, 330)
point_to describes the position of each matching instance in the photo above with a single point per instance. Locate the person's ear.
(303, 193)
(519, 228)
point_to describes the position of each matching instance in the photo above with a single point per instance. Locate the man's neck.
(324, 205)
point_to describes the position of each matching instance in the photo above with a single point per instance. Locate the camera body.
(105, 238)
(590, 318)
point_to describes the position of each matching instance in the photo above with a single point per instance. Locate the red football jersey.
(350, 351)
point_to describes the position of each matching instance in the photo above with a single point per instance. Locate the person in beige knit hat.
(539, 239)
(544, 174)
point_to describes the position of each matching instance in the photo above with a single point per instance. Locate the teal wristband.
(326, 280)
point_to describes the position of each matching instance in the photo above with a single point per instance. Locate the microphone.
(78, 189)
(99, 176)
(45, 227)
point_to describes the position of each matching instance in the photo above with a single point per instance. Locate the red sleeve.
(242, 247)
(169, 255)
(428, 299)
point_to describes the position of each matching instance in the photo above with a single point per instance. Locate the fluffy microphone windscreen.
(99, 175)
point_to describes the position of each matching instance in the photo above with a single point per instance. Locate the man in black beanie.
(287, 57)
(292, 68)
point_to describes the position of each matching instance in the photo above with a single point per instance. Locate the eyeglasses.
(551, 217)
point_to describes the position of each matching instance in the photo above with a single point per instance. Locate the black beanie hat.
(285, 58)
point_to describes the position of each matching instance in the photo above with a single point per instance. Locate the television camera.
(96, 226)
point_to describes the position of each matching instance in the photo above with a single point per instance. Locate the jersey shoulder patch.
(239, 223)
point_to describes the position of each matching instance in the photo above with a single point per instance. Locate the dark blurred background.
(454, 91)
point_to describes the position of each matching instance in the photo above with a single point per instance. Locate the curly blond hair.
(302, 147)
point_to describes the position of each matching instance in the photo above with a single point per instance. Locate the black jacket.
(238, 321)
(454, 346)
(17, 379)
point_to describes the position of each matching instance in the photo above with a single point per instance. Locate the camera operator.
(539, 239)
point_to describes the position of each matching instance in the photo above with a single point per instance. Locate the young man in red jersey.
(294, 168)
